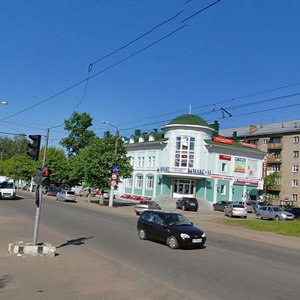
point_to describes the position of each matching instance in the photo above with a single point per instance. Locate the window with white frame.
(295, 183)
(224, 167)
(296, 154)
(277, 180)
(142, 161)
(185, 151)
(149, 182)
(295, 197)
(275, 168)
(223, 189)
(295, 168)
(296, 139)
(128, 182)
(153, 161)
(139, 181)
(139, 161)
(132, 161)
(149, 163)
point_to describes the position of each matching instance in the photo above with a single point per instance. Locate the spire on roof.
(190, 109)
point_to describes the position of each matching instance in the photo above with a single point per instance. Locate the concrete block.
(22, 249)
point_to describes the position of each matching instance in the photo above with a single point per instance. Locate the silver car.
(274, 213)
(235, 210)
(65, 195)
(145, 205)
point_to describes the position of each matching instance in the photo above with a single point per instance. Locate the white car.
(235, 210)
(65, 195)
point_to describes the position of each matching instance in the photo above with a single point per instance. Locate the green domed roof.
(189, 120)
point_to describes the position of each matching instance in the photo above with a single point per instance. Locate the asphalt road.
(100, 257)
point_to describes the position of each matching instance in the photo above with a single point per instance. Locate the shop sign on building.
(185, 171)
(245, 182)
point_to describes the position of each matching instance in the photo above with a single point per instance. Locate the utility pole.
(115, 168)
(39, 194)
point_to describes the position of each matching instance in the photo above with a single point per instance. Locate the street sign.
(114, 176)
(113, 183)
(115, 168)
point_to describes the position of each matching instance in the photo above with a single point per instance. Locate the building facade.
(281, 143)
(188, 158)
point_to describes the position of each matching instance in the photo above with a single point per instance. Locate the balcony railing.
(274, 146)
(276, 187)
(273, 160)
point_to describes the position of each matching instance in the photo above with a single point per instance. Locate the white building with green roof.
(189, 158)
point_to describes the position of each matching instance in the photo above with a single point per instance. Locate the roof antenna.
(190, 109)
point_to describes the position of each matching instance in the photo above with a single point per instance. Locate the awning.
(253, 192)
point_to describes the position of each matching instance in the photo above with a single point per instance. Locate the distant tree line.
(82, 158)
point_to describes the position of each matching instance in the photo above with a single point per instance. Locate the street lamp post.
(112, 187)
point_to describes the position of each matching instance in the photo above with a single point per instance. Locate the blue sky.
(239, 56)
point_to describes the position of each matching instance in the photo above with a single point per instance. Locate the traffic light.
(45, 181)
(34, 147)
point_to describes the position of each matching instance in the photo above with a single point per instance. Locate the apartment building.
(281, 142)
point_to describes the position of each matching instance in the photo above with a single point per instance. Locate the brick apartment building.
(281, 142)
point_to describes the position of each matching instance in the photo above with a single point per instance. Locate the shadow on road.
(75, 242)
(4, 280)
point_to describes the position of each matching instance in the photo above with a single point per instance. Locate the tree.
(96, 161)
(79, 135)
(10, 147)
(270, 181)
(19, 166)
(58, 164)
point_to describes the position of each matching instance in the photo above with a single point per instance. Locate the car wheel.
(259, 217)
(172, 242)
(277, 218)
(230, 215)
(183, 207)
(244, 217)
(137, 213)
(142, 234)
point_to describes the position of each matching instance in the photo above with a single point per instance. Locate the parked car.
(235, 210)
(169, 228)
(248, 205)
(186, 203)
(257, 205)
(274, 213)
(220, 205)
(66, 195)
(145, 205)
(83, 193)
(295, 211)
(52, 191)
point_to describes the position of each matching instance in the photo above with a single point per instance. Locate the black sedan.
(169, 228)
(220, 205)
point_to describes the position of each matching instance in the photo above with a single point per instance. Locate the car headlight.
(203, 234)
(184, 236)
(284, 215)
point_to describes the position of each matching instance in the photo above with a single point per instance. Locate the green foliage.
(97, 159)
(10, 147)
(270, 180)
(79, 137)
(57, 163)
(19, 166)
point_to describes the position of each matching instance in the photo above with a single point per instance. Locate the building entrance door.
(183, 187)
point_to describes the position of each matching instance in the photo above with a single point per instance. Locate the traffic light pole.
(39, 195)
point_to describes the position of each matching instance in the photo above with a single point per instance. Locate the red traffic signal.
(34, 147)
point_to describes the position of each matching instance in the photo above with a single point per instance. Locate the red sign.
(220, 139)
(224, 157)
(264, 170)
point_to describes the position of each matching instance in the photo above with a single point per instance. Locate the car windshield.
(174, 220)
(237, 205)
(6, 185)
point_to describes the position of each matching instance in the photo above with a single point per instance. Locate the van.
(7, 188)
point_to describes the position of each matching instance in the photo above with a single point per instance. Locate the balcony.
(274, 146)
(273, 160)
(276, 187)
